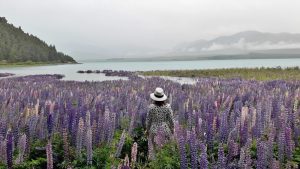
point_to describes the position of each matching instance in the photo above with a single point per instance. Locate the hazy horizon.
(95, 29)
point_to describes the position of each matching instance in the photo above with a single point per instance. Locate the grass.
(260, 74)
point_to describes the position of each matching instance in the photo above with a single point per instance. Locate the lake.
(70, 71)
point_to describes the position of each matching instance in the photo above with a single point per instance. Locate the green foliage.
(261, 74)
(125, 122)
(37, 157)
(253, 149)
(57, 146)
(296, 155)
(18, 46)
(38, 163)
(2, 166)
(102, 157)
(141, 139)
(37, 149)
(80, 162)
(127, 147)
(166, 158)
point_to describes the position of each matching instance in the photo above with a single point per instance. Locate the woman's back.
(160, 116)
(159, 113)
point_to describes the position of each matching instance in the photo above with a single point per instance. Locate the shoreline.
(259, 74)
(33, 64)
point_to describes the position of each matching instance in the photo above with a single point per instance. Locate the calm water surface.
(70, 71)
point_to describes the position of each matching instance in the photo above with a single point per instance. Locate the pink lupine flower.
(134, 153)
(49, 155)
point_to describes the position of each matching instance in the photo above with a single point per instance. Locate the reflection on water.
(181, 80)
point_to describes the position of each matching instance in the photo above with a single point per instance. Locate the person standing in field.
(159, 119)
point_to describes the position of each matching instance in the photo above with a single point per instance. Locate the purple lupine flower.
(132, 121)
(120, 144)
(261, 162)
(189, 115)
(125, 167)
(49, 155)
(209, 134)
(3, 150)
(88, 119)
(245, 158)
(22, 148)
(79, 139)
(176, 129)
(94, 131)
(221, 157)
(281, 146)
(237, 107)
(231, 123)
(107, 124)
(269, 144)
(199, 129)
(258, 123)
(89, 146)
(275, 164)
(193, 150)
(244, 132)
(15, 133)
(65, 145)
(248, 160)
(276, 107)
(181, 144)
(49, 124)
(100, 129)
(9, 150)
(224, 126)
(27, 133)
(203, 157)
(232, 149)
(74, 126)
(289, 146)
(112, 126)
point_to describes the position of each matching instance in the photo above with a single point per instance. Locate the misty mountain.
(18, 46)
(242, 43)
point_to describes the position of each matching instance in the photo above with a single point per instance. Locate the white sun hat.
(158, 95)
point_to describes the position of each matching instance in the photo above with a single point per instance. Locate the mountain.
(18, 46)
(242, 43)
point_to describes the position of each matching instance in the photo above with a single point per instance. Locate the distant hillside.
(242, 43)
(18, 46)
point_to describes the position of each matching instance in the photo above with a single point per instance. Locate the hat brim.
(153, 97)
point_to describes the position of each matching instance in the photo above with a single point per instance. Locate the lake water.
(70, 71)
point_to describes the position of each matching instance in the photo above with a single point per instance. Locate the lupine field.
(219, 123)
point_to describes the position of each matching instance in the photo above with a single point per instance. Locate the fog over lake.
(94, 29)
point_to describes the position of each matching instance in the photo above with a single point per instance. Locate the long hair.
(160, 103)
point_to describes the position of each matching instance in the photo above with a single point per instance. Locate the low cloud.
(243, 45)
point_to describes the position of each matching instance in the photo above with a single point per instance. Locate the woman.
(159, 117)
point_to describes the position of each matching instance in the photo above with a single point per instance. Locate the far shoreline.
(31, 64)
(172, 59)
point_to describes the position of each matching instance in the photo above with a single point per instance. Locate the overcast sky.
(111, 28)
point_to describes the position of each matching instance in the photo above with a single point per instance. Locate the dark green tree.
(18, 46)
